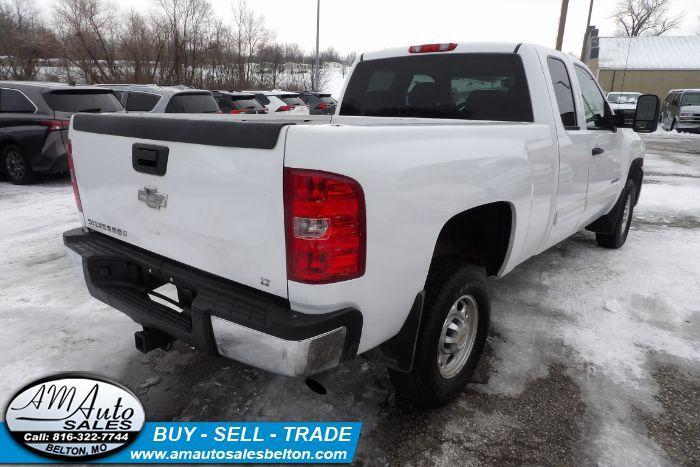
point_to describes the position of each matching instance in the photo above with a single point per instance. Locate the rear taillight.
(285, 108)
(426, 48)
(73, 178)
(325, 227)
(322, 106)
(236, 111)
(55, 125)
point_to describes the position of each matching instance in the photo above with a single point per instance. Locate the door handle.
(597, 151)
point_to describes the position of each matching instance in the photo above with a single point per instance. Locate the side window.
(593, 101)
(141, 101)
(563, 91)
(262, 98)
(225, 104)
(14, 101)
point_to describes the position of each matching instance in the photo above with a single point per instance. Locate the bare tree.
(250, 36)
(89, 31)
(176, 42)
(141, 45)
(188, 26)
(24, 40)
(645, 17)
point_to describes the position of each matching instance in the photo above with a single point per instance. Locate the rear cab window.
(14, 101)
(82, 100)
(470, 86)
(194, 103)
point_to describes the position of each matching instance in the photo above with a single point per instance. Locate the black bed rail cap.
(211, 132)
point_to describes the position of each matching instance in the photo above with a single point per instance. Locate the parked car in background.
(280, 101)
(624, 103)
(163, 99)
(681, 110)
(233, 102)
(319, 103)
(34, 119)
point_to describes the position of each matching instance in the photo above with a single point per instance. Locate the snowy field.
(593, 358)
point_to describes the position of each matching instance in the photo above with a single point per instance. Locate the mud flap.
(397, 353)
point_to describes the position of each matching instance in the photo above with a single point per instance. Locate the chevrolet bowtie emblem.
(152, 198)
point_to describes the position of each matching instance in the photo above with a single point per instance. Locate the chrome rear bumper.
(286, 357)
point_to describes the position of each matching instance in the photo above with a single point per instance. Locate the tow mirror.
(646, 116)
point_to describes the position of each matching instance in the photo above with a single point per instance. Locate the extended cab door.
(573, 145)
(605, 146)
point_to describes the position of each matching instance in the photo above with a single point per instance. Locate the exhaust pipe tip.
(316, 386)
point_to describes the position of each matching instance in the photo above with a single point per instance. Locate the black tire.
(449, 281)
(618, 237)
(16, 165)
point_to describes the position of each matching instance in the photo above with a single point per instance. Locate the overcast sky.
(361, 25)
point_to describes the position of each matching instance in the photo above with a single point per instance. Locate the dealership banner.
(83, 417)
(196, 442)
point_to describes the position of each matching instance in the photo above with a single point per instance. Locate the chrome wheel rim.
(457, 336)
(14, 163)
(626, 213)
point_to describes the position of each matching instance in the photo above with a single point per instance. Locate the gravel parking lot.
(594, 355)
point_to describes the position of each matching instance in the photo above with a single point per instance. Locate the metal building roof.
(650, 53)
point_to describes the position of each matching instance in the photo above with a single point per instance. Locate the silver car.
(681, 111)
(163, 99)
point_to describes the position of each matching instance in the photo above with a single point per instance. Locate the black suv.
(234, 102)
(34, 120)
(320, 103)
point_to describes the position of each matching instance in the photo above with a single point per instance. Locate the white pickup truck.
(297, 244)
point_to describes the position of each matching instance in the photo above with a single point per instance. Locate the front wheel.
(451, 337)
(624, 219)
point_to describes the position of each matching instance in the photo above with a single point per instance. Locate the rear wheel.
(624, 219)
(16, 165)
(452, 334)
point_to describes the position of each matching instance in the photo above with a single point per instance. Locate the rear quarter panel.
(415, 178)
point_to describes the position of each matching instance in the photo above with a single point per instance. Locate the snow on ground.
(335, 82)
(594, 354)
(49, 321)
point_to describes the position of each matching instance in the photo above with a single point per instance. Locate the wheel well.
(7, 142)
(636, 174)
(480, 235)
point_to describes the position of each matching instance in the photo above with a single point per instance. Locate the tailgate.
(206, 192)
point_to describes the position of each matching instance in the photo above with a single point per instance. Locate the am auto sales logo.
(74, 416)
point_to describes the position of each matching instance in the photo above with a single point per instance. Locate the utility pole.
(317, 71)
(562, 23)
(584, 48)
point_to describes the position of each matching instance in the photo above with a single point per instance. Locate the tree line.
(176, 42)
